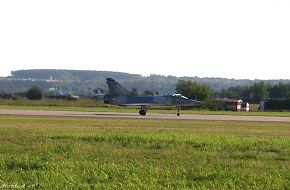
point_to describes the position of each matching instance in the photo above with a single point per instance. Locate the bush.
(214, 105)
(278, 104)
(35, 93)
(193, 90)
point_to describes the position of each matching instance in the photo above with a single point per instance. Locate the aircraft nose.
(196, 103)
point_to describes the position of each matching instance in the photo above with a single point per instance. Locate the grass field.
(68, 153)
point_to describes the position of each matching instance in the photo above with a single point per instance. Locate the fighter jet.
(119, 95)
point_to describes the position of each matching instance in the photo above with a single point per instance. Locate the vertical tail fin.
(116, 89)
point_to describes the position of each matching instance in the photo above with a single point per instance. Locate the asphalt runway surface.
(115, 115)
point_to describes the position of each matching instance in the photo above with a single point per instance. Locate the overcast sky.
(205, 38)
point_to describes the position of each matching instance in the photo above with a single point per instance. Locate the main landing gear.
(178, 109)
(143, 110)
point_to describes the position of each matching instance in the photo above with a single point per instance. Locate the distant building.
(262, 105)
(235, 104)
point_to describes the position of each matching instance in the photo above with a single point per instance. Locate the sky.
(245, 39)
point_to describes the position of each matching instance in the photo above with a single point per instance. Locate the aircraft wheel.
(142, 112)
(178, 114)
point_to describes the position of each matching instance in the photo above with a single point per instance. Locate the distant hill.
(70, 74)
(79, 81)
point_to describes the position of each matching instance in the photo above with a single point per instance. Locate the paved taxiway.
(115, 115)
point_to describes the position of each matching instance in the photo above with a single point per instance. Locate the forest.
(258, 92)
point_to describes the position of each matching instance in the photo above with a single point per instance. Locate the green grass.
(68, 153)
(82, 102)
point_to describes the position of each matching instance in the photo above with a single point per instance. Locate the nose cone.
(196, 103)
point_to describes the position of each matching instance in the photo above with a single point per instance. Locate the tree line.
(257, 92)
(254, 94)
(277, 95)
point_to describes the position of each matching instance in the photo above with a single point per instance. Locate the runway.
(115, 115)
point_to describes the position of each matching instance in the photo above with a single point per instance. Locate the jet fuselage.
(170, 100)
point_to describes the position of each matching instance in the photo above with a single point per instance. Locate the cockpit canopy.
(180, 96)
